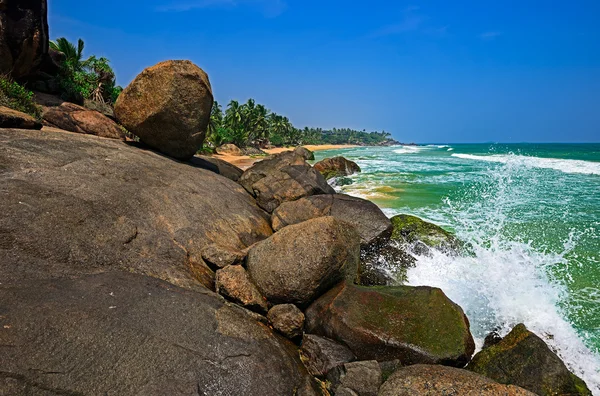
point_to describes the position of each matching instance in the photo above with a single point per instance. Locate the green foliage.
(252, 124)
(18, 98)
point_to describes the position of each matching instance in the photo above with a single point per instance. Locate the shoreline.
(245, 161)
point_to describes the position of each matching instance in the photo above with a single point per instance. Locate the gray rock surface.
(321, 354)
(356, 378)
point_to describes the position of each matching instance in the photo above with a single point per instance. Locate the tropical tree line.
(79, 78)
(252, 124)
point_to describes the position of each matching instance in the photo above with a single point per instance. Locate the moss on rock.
(415, 231)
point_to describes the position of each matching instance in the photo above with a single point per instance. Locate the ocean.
(531, 213)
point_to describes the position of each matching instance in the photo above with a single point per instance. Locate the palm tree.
(73, 55)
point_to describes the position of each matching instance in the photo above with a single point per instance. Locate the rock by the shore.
(422, 235)
(102, 108)
(411, 324)
(336, 167)
(229, 148)
(74, 118)
(281, 178)
(434, 380)
(320, 354)
(10, 118)
(234, 283)
(287, 319)
(356, 379)
(221, 256)
(523, 359)
(168, 107)
(305, 153)
(126, 334)
(76, 204)
(299, 263)
(217, 166)
(24, 39)
(370, 222)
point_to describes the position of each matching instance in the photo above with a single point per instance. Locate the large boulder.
(23, 36)
(522, 358)
(299, 263)
(10, 118)
(305, 153)
(431, 380)
(336, 167)
(422, 235)
(76, 204)
(412, 324)
(230, 149)
(126, 334)
(74, 118)
(168, 107)
(370, 222)
(283, 177)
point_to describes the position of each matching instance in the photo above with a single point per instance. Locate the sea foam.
(563, 165)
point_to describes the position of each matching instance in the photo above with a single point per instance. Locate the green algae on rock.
(412, 324)
(522, 358)
(415, 231)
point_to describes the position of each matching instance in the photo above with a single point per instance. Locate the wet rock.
(63, 336)
(168, 107)
(370, 222)
(356, 378)
(73, 118)
(441, 380)
(282, 178)
(231, 149)
(299, 263)
(336, 167)
(411, 324)
(287, 319)
(221, 257)
(524, 359)
(234, 283)
(76, 204)
(423, 235)
(10, 118)
(321, 354)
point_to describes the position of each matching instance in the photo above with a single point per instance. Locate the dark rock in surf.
(337, 167)
(422, 235)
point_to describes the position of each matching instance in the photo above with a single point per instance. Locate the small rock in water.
(287, 319)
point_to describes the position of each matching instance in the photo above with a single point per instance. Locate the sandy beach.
(245, 161)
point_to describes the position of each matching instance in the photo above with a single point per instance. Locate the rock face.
(321, 354)
(234, 283)
(282, 178)
(23, 36)
(299, 263)
(412, 324)
(440, 380)
(10, 118)
(217, 166)
(370, 222)
(231, 149)
(423, 235)
(168, 107)
(524, 359)
(75, 204)
(356, 378)
(305, 153)
(336, 167)
(287, 319)
(73, 118)
(61, 337)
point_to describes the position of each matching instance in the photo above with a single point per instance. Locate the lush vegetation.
(16, 97)
(252, 124)
(79, 79)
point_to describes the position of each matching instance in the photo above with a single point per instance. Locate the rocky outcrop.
(370, 222)
(126, 334)
(321, 354)
(23, 36)
(287, 319)
(234, 283)
(75, 204)
(356, 378)
(10, 118)
(217, 166)
(168, 107)
(73, 118)
(305, 153)
(440, 380)
(522, 358)
(411, 324)
(283, 177)
(230, 149)
(422, 235)
(299, 263)
(337, 167)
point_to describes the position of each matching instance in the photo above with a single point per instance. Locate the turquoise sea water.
(532, 213)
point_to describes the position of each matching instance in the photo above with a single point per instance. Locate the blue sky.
(426, 71)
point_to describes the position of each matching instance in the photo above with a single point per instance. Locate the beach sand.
(244, 161)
